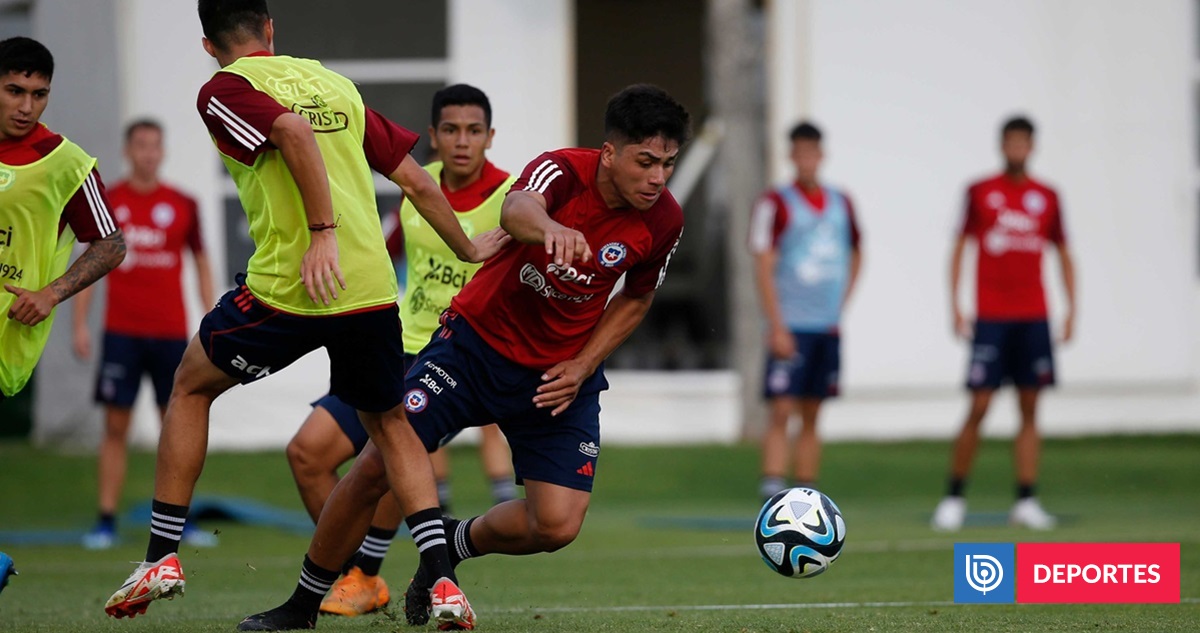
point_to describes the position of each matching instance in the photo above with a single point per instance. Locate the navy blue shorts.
(1016, 351)
(125, 359)
(249, 340)
(460, 381)
(347, 417)
(811, 373)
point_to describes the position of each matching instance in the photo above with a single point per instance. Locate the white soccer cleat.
(162, 579)
(449, 607)
(1029, 513)
(949, 514)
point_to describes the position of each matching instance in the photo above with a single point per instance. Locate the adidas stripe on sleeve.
(551, 177)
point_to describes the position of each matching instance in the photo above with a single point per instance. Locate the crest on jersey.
(122, 214)
(416, 400)
(7, 178)
(162, 215)
(612, 254)
(994, 200)
(1034, 202)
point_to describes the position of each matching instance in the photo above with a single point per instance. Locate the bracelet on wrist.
(325, 227)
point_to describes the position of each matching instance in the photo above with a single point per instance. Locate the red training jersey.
(538, 314)
(1011, 221)
(145, 293)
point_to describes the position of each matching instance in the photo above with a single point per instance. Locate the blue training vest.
(814, 261)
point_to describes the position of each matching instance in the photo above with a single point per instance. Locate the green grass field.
(657, 552)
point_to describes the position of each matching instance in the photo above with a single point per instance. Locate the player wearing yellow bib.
(301, 145)
(460, 132)
(50, 196)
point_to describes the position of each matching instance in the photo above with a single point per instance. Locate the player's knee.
(369, 474)
(555, 535)
(302, 459)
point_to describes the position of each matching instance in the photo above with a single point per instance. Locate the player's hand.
(319, 269)
(962, 325)
(561, 385)
(82, 343)
(488, 244)
(566, 245)
(782, 344)
(1068, 328)
(32, 306)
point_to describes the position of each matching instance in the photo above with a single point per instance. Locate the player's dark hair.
(1017, 124)
(25, 55)
(228, 22)
(805, 130)
(141, 124)
(460, 95)
(643, 111)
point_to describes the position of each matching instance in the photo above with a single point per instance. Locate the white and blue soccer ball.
(799, 532)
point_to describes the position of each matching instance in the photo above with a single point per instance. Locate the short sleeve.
(970, 216)
(393, 231)
(87, 212)
(551, 176)
(238, 116)
(767, 222)
(386, 143)
(195, 237)
(855, 234)
(1056, 231)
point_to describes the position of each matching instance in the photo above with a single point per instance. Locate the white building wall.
(522, 54)
(911, 96)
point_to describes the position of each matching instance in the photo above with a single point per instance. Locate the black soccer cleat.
(417, 601)
(286, 617)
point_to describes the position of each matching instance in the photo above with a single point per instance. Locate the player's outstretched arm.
(561, 383)
(525, 217)
(430, 202)
(34, 306)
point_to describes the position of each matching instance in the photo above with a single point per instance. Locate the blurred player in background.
(50, 196)
(145, 322)
(806, 246)
(461, 133)
(300, 146)
(1010, 217)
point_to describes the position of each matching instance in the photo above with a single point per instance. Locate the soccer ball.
(799, 532)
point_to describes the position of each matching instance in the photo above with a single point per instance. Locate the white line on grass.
(745, 607)
(725, 607)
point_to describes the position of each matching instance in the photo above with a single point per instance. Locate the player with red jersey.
(1010, 217)
(523, 344)
(145, 323)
